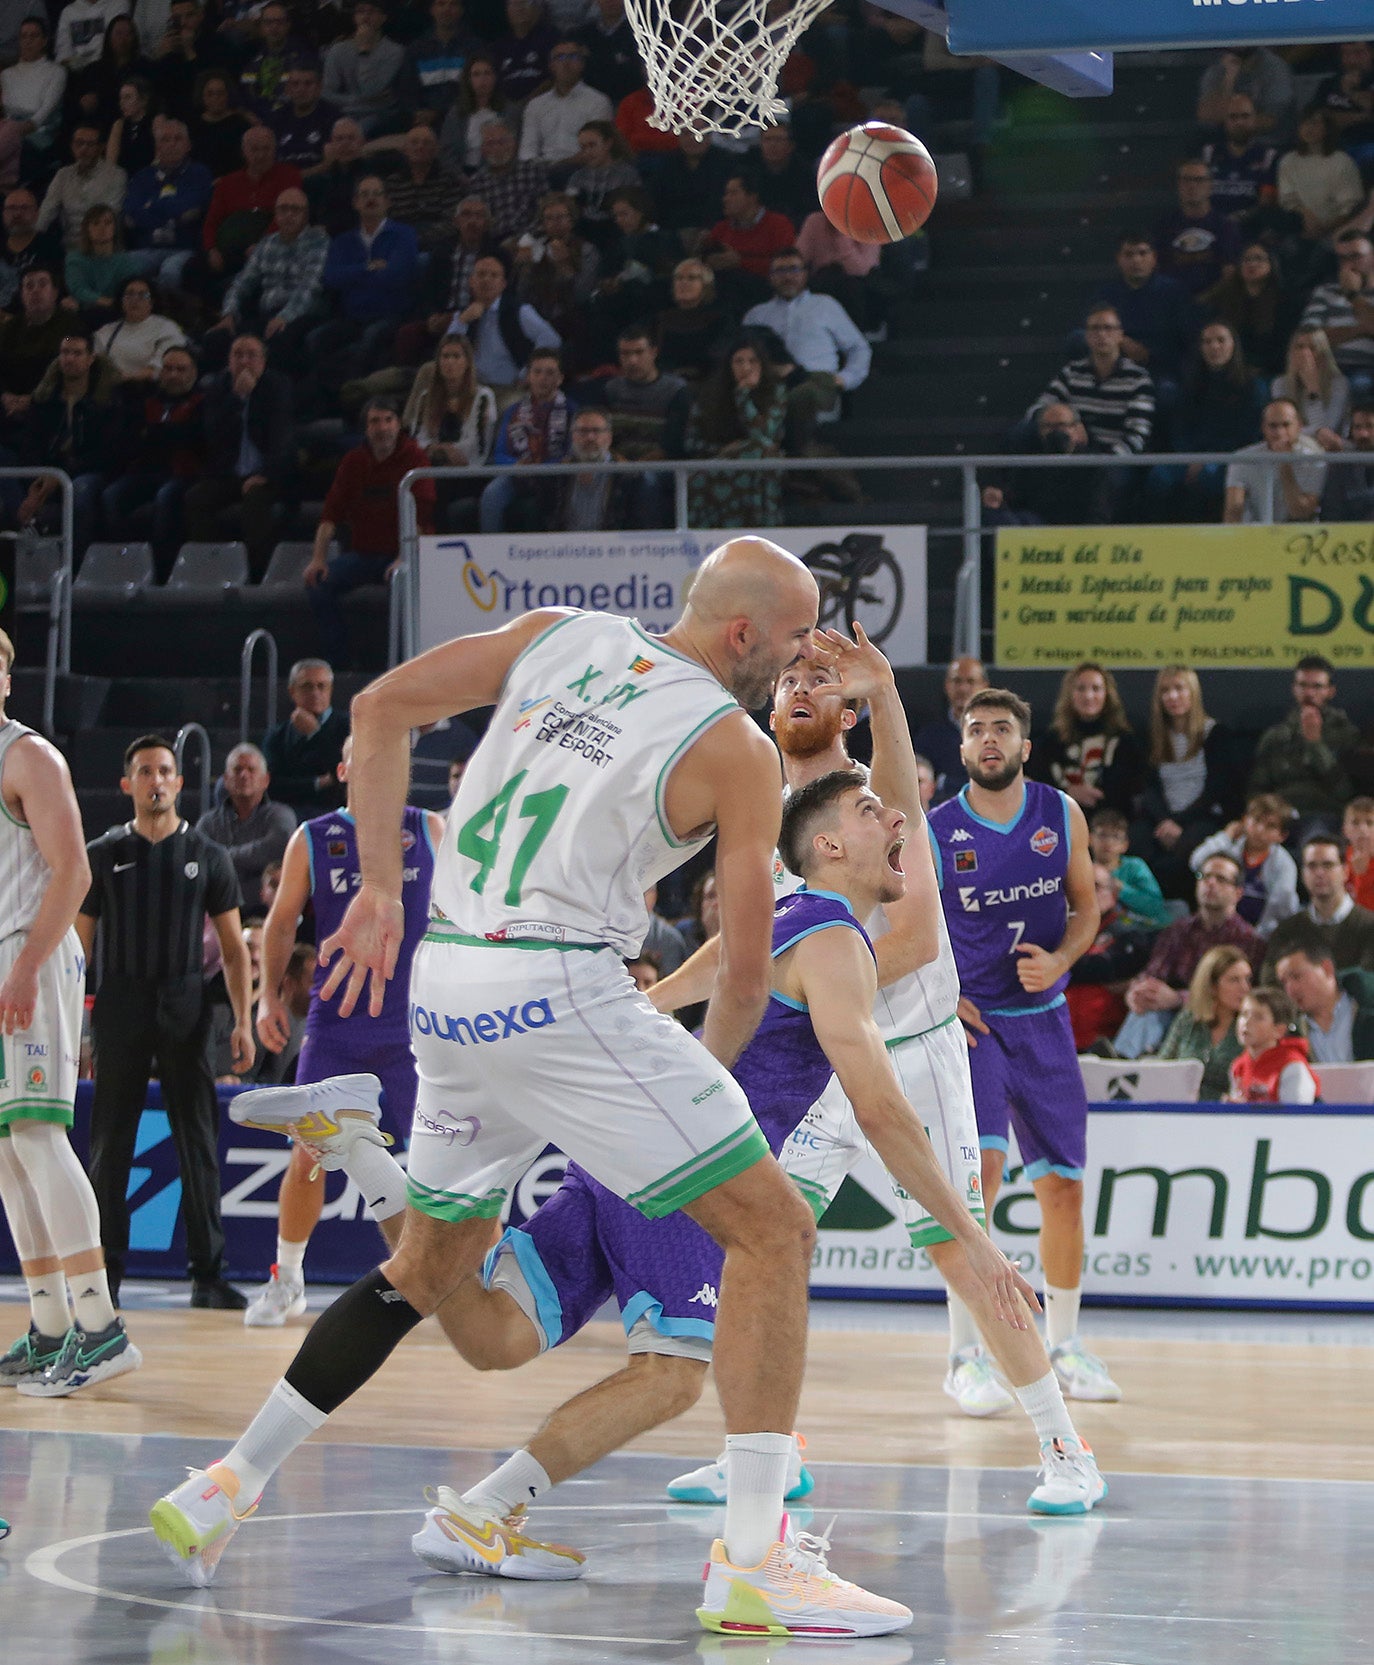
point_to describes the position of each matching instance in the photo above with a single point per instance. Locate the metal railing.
(251, 642)
(196, 732)
(968, 599)
(58, 654)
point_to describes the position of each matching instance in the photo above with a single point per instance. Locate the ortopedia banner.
(469, 584)
(1222, 1206)
(1193, 595)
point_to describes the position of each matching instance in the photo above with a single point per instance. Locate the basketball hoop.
(713, 65)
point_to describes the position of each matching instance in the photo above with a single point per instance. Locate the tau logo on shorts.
(1044, 841)
(966, 861)
(482, 1026)
(968, 899)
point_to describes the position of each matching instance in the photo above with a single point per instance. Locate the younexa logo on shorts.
(482, 1027)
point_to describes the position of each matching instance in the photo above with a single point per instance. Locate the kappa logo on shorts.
(706, 1296)
(482, 1026)
(1044, 841)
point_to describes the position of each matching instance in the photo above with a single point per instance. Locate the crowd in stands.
(1242, 322)
(230, 224)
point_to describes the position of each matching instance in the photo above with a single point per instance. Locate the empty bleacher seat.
(1346, 1083)
(288, 564)
(113, 572)
(1151, 1080)
(35, 562)
(204, 572)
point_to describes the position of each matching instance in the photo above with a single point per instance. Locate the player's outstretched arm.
(691, 983)
(1039, 968)
(865, 674)
(835, 976)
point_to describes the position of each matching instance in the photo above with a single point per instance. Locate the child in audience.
(1271, 875)
(1273, 1067)
(1358, 828)
(1139, 900)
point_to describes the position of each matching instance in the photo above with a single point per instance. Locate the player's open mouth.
(801, 714)
(894, 855)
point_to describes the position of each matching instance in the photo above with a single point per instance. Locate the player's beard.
(994, 780)
(812, 737)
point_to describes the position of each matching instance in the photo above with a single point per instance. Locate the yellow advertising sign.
(1192, 595)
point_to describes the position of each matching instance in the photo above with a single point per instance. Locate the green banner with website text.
(1192, 595)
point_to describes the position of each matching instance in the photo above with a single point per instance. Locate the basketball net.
(713, 65)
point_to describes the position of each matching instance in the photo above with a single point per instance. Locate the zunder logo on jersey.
(1044, 841)
(968, 898)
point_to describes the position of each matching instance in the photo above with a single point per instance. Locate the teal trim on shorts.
(1038, 1170)
(1025, 1011)
(944, 1023)
(643, 1305)
(548, 1308)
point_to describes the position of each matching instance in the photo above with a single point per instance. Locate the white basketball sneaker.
(1069, 1481)
(1082, 1375)
(707, 1484)
(792, 1592)
(195, 1522)
(457, 1538)
(326, 1117)
(971, 1382)
(279, 1298)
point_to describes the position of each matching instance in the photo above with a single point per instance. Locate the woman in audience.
(1254, 302)
(603, 166)
(136, 341)
(1090, 751)
(740, 411)
(692, 332)
(1205, 1025)
(479, 101)
(93, 93)
(452, 416)
(555, 270)
(218, 127)
(130, 144)
(1318, 182)
(1219, 408)
(1315, 385)
(1188, 787)
(95, 272)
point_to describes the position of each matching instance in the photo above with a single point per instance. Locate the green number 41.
(479, 839)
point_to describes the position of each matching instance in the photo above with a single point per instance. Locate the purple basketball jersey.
(332, 843)
(1002, 885)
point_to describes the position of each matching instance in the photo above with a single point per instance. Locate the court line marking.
(42, 1565)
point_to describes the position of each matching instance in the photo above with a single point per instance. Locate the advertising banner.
(483, 581)
(1005, 27)
(1222, 1206)
(1194, 595)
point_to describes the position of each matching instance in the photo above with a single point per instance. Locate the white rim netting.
(713, 65)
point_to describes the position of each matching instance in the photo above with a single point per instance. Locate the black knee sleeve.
(351, 1341)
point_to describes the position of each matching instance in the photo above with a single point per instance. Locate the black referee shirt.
(152, 899)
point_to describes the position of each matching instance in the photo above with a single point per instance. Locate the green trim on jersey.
(659, 786)
(817, 1198)
(660, 646)
(529, 648)
(34, 1110)
(702, 1173)
(13, 819)
(453, 1206)
(901, 1040)
(462, 940)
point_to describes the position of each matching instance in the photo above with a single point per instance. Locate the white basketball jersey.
(559, 824)
(24, 874)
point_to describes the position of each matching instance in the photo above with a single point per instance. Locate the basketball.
(877, 183)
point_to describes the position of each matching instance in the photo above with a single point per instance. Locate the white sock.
(284, 1422)
(48, 1303)
(291, 1260)
(1061, 1315)
(520, 1479)
(380, 1178)
(1043, 1403)
(90, 1292)
(755, 1479)
(963, 1332)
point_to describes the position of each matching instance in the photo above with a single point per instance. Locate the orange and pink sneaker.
(792, 1592)
(195, 1522)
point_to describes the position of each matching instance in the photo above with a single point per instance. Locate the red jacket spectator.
(754, 232)
(252, 189)
(1256, 1080)
(363, 496)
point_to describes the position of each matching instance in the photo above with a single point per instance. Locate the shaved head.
(750, 613)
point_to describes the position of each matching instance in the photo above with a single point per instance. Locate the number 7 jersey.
(1002, 884)
(559, 825)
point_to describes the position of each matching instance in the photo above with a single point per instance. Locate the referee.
(153, 881)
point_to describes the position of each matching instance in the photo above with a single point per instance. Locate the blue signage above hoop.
(1006, 28)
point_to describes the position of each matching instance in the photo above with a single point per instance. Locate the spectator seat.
(113, 572)
(1151, 1080)
(203, 572)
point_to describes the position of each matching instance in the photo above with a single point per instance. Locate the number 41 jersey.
(559, 825)
(1001, 885)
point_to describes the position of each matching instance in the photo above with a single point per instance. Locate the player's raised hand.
(364, 946)
(1038, 969)
(862, 670)
(1011, 1295)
